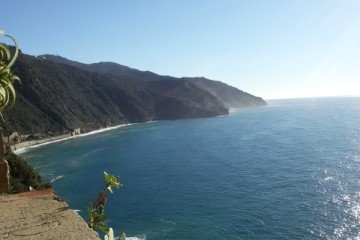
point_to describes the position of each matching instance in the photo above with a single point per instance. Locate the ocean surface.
(290, 170)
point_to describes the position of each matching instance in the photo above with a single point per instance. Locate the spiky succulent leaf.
(7, 78)
(4, 53)
(16, 51)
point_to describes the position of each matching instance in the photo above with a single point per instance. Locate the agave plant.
(7, 77)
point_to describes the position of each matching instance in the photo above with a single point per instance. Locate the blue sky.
(269, 48)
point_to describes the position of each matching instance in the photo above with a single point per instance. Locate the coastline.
(26, 144)
(22, 146)
(40, 200)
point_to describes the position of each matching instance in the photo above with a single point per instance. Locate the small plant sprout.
(112, 181)
(96, 209)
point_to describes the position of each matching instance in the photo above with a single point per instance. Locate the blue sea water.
(290, 170)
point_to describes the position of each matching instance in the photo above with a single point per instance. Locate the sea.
(290, 170)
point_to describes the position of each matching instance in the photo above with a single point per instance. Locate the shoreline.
(22, 146)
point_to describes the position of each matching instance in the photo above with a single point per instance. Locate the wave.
(56, 178)
(132, 238)
(233, 110)
(153, 121)
(135, 238)
(21, 150)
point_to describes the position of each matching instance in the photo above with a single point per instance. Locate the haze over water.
(287, 171)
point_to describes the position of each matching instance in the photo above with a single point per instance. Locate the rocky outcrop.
(4, 177)
(4, 168)
(40, 215)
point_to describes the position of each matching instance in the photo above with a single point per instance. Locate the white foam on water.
(154, 121)
(132, 238)
(233, 110)
(21, 150)
(56, 178)
(135, 238)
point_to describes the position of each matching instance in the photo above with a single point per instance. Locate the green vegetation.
(96, 210)
(22, 175)
(7, 77)
(57, 97)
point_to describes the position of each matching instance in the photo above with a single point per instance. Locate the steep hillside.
(56, 97)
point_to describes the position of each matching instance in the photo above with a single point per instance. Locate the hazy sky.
(270, 48)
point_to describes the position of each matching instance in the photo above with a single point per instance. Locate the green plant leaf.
(7, 78)
(97, 218)
(103, 228)
(16, 51)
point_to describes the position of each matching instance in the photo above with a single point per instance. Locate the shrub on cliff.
(22, 175)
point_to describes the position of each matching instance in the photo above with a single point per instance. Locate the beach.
(25, 144)
(16, 148)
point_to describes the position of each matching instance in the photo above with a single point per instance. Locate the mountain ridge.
(57, 95)
(229, 95)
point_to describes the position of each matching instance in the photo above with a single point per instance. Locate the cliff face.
(57, 94)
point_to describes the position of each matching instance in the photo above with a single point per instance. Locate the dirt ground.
(40, 215)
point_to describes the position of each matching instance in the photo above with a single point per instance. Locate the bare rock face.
(4, 168)
(4, 177)
(40, 215)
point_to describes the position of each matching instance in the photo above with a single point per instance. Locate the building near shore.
(75, 131)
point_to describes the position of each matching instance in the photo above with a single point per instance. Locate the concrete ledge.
(40, 215)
